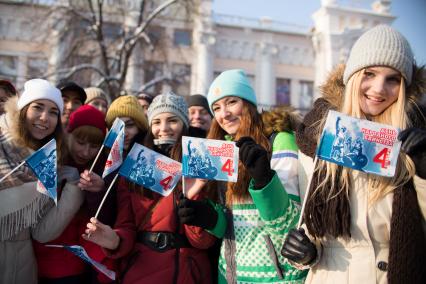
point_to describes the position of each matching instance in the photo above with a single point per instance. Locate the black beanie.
(198, 100)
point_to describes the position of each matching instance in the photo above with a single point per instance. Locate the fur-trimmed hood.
(332, 92)
(9, 121)
(280, 119)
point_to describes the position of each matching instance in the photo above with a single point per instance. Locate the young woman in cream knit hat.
(362, 228)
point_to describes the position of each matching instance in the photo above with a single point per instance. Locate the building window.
(306, 94)
(152, 71)
(182, 37)
(9, 68)
(282, 91)
(181, 83)
(36, 67)
(156, 34)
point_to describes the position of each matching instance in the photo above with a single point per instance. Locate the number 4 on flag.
(228, 167)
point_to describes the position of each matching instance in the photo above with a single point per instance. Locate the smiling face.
(228, 113)
(166, 125)
(379, 89)
(199, 117)
(41, 118)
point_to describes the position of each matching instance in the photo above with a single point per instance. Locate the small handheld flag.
(115, 157)
(359, 144)
(43, 163)
(209, 159)
(81, 253)
(151, 170)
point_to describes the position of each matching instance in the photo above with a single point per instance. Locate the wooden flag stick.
(105, 196)
(183, 186)
(96, 159)
(12, 171)
(306, 194)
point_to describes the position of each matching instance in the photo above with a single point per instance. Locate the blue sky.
(411, 15)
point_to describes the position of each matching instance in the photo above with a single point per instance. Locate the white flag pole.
(306, 194)
(96, 159)
(12, 171)
(105, 196)
(183, 187)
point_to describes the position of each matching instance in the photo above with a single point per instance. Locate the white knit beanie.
(169, 103)
(381, 46)
(39, 89)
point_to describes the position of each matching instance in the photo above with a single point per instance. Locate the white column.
(295, 93)
(266, 74)
(22, 70)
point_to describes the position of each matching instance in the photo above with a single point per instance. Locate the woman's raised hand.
(101, 234)
(91, 182)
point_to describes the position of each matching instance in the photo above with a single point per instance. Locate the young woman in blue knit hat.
(259, 209)
(149, 235)
(359, 227)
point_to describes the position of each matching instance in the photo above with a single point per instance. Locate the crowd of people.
(356, 227)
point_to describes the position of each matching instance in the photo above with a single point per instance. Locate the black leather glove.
(196, 213)
(298, 248)
(256, 161)
(414, 145)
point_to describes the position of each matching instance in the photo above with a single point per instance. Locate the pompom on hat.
(39, 89)
(127, 106)
(86, 115)
(231, 83)
(381, 46)
(169, 102)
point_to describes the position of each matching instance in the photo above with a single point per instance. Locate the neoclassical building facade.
(285, 62)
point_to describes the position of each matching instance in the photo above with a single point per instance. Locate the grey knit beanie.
(169, 102)
(381, 46)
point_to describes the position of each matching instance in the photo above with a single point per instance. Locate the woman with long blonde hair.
(363, 228)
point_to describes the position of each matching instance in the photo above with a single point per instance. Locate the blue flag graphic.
(151, 170)
(359, 144)
(43, 163)
(116, 127)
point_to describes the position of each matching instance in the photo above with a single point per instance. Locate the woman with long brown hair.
(259, 210)
(31, 121)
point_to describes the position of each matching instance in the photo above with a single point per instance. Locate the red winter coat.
(147, 265)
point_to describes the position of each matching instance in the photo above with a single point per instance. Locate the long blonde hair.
(395, 115)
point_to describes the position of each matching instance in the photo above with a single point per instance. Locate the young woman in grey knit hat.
(149, 235)
(358, 227)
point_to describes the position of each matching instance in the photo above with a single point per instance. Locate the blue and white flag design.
(115, 157)
(151, 170)
(116, 127)
(359, 144)
(43, 163)
(81, 253)
(209, 159)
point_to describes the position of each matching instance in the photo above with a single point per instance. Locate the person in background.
(148, 233)
(86, 129)
(29, 123)
(144, 100)
(7, 90)
(74, 96)
(96, 97)
(199, 113)
(360, 227)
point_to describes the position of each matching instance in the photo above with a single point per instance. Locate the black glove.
(414, 145)
(255, 159)
(298, 248)
(197, 213)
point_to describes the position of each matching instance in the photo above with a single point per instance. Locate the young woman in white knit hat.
(31, 120)
(358, 227)
(149, 235)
